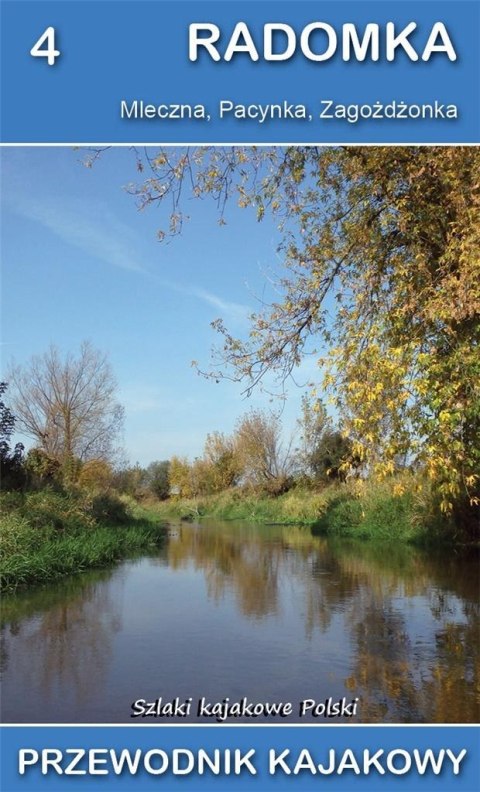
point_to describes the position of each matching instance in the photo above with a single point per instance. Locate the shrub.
(277, 486)
(47, 510)
(16, 535)
(95, 476)
(41, 468)
(108, 509)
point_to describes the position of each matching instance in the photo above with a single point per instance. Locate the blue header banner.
(178, 72)
(347, 758)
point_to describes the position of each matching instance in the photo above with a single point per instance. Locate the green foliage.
(17, 535)
(7, 419)
(42, 468)
(325, 453)
(332, 456)
(312, 424)
(109, 509)
(390, 236)
(141, 483)
(95, 475)
(48, 534)
(12, 474)
(130, 481)
(49, 511)
(67, 555)
(397, 510)
(157, 479)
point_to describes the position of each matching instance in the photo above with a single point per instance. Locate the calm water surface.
(271, 613)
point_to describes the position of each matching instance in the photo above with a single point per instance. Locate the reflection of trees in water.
(59, 639)
(399, 676)
(384, 673)
(231, 562)
(411, 619)
(384, 593)
(398, 680)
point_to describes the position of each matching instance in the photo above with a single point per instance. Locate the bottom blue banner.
(244, 757)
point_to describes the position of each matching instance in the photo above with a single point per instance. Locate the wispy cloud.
(93, 229)
(232, 310)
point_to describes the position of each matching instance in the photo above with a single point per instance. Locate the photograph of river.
(233, 609)
(240, 435)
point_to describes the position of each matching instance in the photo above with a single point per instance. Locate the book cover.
(239, 400)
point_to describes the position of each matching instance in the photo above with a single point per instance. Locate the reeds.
(47, 535)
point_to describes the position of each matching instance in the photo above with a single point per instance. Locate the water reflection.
(270, 612)
(59, 638)
(412, 618)
(242, 561)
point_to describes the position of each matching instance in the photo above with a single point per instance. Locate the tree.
(389, 236)
(96, 475)
(41, 468)
(333, 457)
(221, 454)
(7, 419)
(157, 479)
(67, 405)
(202, 481)
(131, 480)
(180, 477)
(263, 459)
(325, 452)
(312, 424)
(11, 474)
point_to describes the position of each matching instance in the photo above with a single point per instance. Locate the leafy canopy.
(391, 238)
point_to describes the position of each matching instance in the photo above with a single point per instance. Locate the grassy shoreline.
(47, 535)
(383, 512)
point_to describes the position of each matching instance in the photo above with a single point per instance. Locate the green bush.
(47, 510)
(398, 509)
(17, 535)
(109, 510)
(342, 517)
(44, 535)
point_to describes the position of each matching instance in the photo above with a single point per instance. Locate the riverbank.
(230, 606)
(46, 535)
(394, 511)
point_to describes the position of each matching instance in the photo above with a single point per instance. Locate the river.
(266, 613)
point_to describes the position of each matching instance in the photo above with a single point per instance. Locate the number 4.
(50, 52)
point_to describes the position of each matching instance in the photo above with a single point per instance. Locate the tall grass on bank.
(395, 510)
(45, 535)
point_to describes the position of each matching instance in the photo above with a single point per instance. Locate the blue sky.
(79, 261)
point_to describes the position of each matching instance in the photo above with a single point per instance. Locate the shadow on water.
(271, 612)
